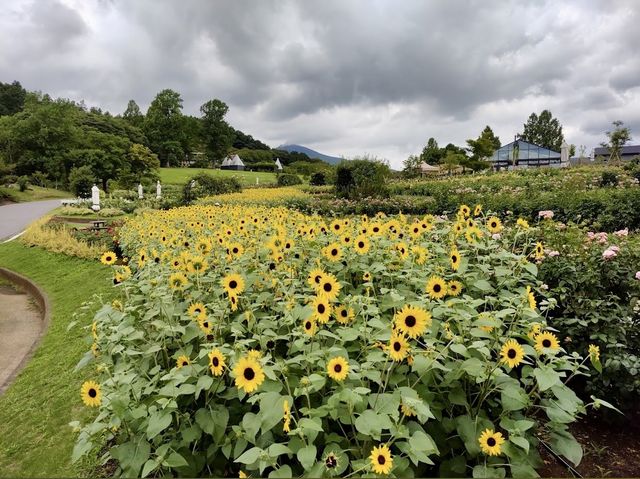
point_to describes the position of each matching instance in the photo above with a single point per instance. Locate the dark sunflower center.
(327, 287)
(494, 224)
(249, 374)
(337, 368)
(511, 354)
(410, 321)
(215, 361)
(317, 278)
(235, 250)
(185, 363)
(397, 346)
(360, 245)
(93, 393)
(381, 459)
(454, 258)
(331, 462)
(546, 343)
(376, 229)
(334, 252)
(436, 288)
(272, 266)
(205, 325)
(233, 284)
(321, 308)
(343, 313)
(307, 325)
(491, 442)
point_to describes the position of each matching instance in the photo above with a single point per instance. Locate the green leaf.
(546, 377)
(482, 285)
(565, 444)
(284, 471)
(205, 421)
(204, 383)
(307, 456)
(175, 460)
(158, 422)
(250, 456)
(520, 441)
(149, 466)
(371, 423)
(310, 424)
(271, 411)
(487, 471)
(275, 450)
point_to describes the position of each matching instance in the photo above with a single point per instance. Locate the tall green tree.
(163, 127)
(12, 97)
(484, 146)
(133, 114)
(431, 153)
(619, 136)
(412, 163)
(216, 132)
(543, 130)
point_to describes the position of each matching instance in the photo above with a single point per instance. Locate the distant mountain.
(333, 160)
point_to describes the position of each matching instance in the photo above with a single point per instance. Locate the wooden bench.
(98, 225)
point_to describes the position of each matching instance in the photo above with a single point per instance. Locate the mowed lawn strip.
(35, 439)
(34, 193)
(179, 176)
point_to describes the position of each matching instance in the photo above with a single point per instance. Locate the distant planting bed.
(179, 176)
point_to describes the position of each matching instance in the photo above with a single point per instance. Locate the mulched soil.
(611, 447)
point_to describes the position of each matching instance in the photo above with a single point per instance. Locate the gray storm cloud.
(342, 76)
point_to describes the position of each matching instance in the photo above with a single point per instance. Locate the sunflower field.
(256, 341)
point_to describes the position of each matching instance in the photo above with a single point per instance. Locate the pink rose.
(610, 252)
(553, 253)
(496, 236)
(622, 233)
(546, 214)
(638, 275)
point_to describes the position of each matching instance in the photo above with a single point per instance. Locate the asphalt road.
(16, 217)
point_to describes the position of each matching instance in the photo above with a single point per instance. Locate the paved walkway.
(16, 217)
(20, 325)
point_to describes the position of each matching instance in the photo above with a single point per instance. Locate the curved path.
(16, 217)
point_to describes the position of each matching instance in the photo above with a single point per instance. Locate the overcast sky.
(344, 77)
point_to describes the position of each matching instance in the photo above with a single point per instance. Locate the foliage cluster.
(263, 340)
(593, 278)
(59, 239)
(288, 179)
(203, 184)
(361, 178)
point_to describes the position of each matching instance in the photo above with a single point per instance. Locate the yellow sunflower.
(196, 309)
(539, 251)
(412, 320)
(205, 323)
(329, 287)
(455, 258)
(522, 223)
(344, 315)
(338, 368)
(381, 459)
(477, 210)
(594, 352)
(454, 288)
(183, 361)
(91, 394)
(494, 225)
(315, 275)
(286, 417)
(361, 244)
(464, 211)
(531, 298)
(249, 374)
(233, 284)
(216, 362)
(491, 442)
(333, 252)
(366, 276)
(407, 411)
(108, 258)
(436, 287)
(398, 347)
(546, 341)
(321, 309)
(512, 353)
(310, 326)
(177, 281)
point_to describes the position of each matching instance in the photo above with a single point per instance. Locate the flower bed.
(255, 340)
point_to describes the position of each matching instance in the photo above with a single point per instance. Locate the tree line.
(60, 139)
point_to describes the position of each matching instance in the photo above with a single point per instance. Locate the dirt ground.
(611, 448)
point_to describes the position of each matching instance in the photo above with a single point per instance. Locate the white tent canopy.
(225, 162)
(235, 161)
(425, 168)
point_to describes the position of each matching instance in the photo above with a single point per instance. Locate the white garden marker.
(95, 198)
(158, 190)
(140, 192)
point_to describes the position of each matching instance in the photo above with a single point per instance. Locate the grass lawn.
(33, 193)
(179, 176)
(35, 439)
